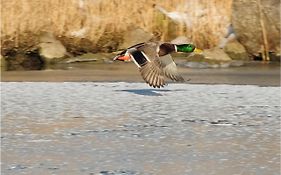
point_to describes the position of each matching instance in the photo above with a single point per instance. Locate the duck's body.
(154, 61)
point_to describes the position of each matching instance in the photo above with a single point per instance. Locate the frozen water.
(130, 128)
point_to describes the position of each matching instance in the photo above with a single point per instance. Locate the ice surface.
(130, 128)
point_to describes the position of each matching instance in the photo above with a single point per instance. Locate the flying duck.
(154, 60)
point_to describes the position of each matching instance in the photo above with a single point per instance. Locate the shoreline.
(260, 74)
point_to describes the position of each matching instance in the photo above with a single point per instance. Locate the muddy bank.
(35, 51)
(39, 51)
(254, 73)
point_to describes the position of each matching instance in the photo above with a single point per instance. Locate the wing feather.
(170, 68)
(153, 74)
(156, 68)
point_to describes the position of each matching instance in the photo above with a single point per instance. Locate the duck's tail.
(121, 54)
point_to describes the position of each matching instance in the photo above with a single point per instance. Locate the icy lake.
(130, 129)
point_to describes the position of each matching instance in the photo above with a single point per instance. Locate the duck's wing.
(166, 62)
(170, 68)
(146, 58)
(152, 73)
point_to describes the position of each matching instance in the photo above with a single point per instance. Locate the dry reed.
(110, 17)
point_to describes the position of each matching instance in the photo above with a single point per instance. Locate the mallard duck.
(154, 60)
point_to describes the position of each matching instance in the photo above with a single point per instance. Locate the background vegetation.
(108, 19)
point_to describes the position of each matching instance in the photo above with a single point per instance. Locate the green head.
(187, 48)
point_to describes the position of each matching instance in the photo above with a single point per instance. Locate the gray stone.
(180, 40)
(246, 21)
(50, 49)
(91, 57)
(236, 51)
(205, 64)
(134, 36)
(210, 58)
(216, 54)
(3, 63)
(197, 65)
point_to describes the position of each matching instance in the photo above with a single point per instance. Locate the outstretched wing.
(165, 63)
(146, 58)
(153, 68)
(170, 68)
(152, 73)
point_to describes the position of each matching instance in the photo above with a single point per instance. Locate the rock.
(135, 36)
(236, 63)
(90, 57)
(210, 58)
(180, 40)
(25, 61)
(197, 65)
(2, 63)
(213, 64)
(274, 57)
(78, 46)
(224, 41)
(246, 21)
(51, 49)
(216, 54)
(236, 51)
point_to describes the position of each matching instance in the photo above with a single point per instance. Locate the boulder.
(134, 36)
(236, 51)
(180, 40)
(90, 57)
(210, 58)
(209, 55)
(50, 49)
(247, 21)
(2, 63)
(202, 64)
(216, 54)
(24, 61)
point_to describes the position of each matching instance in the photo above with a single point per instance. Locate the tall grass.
(112, 17)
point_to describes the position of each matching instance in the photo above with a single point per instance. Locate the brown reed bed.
(107, 19)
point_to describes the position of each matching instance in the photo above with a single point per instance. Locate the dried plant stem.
(264, 34)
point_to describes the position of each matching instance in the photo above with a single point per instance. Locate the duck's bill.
(198, 51)
(122, 58)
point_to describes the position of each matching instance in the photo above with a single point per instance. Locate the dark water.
(129, 129)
